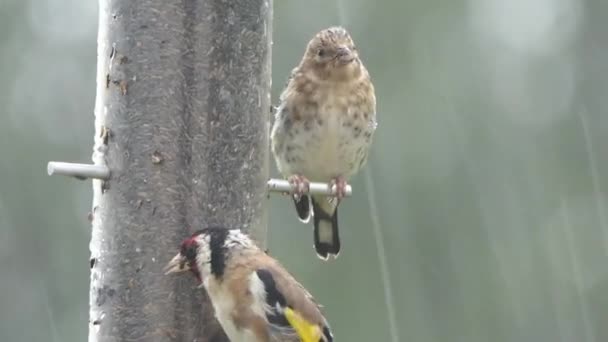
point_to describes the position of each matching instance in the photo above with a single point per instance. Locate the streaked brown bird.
(323, 129)
(254, 297)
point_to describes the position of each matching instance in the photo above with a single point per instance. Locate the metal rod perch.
(80, 171)
(84, 171)
(281, 185)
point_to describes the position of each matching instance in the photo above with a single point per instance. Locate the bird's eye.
(190, 252)
(321, 53)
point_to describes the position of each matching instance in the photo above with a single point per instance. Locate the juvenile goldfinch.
(254, 297)
(323, 129)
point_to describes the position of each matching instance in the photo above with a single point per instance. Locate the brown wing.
(296, 296)
(281, 291)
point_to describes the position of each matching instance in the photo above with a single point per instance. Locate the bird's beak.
(177, 264)
(344, 55)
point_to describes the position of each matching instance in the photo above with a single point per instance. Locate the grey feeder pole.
(181, 121)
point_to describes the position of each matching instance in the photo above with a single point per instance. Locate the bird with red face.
(323, 129)
(254, 297)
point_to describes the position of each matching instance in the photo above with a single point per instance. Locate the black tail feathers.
(326, 236)
(303, 208)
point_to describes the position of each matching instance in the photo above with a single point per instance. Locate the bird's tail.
(303, 208)
(326, 237)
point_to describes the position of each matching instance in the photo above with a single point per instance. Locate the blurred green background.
(489, 171)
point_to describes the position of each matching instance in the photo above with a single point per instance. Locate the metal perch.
(80, 171)
(281, 185)
(85, 171)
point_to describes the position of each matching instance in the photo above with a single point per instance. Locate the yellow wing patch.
(307, 331)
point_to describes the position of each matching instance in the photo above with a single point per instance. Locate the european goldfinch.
(254, 296)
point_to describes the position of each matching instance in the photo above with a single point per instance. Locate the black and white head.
(206, 252)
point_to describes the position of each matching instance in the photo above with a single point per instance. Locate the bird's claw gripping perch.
(340, 187)
(301, 185)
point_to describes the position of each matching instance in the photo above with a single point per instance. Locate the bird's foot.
(301, 185)
(340, 184)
